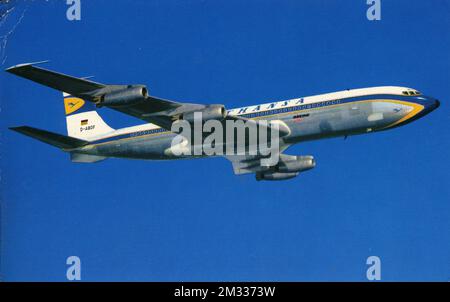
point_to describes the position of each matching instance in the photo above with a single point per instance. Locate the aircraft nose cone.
(431, 104)
(436, 104)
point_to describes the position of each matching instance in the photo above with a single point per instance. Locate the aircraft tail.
(54, 139)
(82, 119)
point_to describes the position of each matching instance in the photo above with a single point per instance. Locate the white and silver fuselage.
(343, 113)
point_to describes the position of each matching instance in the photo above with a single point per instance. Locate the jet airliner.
(90, 139)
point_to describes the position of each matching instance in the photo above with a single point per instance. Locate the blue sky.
(385, 194)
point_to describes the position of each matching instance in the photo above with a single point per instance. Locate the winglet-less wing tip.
(25, 65)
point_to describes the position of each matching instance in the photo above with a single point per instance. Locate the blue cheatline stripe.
(276, 111)
(128, 135)
(325, 104)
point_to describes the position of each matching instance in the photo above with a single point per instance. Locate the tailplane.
(54, 139)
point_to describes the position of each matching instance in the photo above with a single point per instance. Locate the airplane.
(339, 114)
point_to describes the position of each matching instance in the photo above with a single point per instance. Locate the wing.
(286, 167)
(159, 111)
(129, 99)
(246, 164)
(151, 109)
(75, 86)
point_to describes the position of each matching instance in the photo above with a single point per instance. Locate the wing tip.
(23, 65)
(15, 128)
(19, 129)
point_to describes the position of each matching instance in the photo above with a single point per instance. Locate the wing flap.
(245, 165)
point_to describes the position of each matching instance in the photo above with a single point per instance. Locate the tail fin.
(54, 139)
(82, 119)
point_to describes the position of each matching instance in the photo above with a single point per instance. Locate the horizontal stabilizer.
(54, 139)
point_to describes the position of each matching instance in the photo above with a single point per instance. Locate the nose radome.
(431, 103)
(436, 104)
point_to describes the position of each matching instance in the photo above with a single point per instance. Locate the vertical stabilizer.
(82, 119)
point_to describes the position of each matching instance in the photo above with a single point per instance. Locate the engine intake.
(126, 97)
(210, 112)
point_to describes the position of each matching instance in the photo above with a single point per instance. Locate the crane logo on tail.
(72, 104)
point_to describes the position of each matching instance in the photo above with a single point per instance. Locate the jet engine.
(296, 164)
(275, 175)
(288, 167)
(124, 97)
(210, 112)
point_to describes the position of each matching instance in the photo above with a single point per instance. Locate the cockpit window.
(410, 92)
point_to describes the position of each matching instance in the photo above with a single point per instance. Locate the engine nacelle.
(210, 112)
(299, 164)
(275, 175)
(126, 97)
